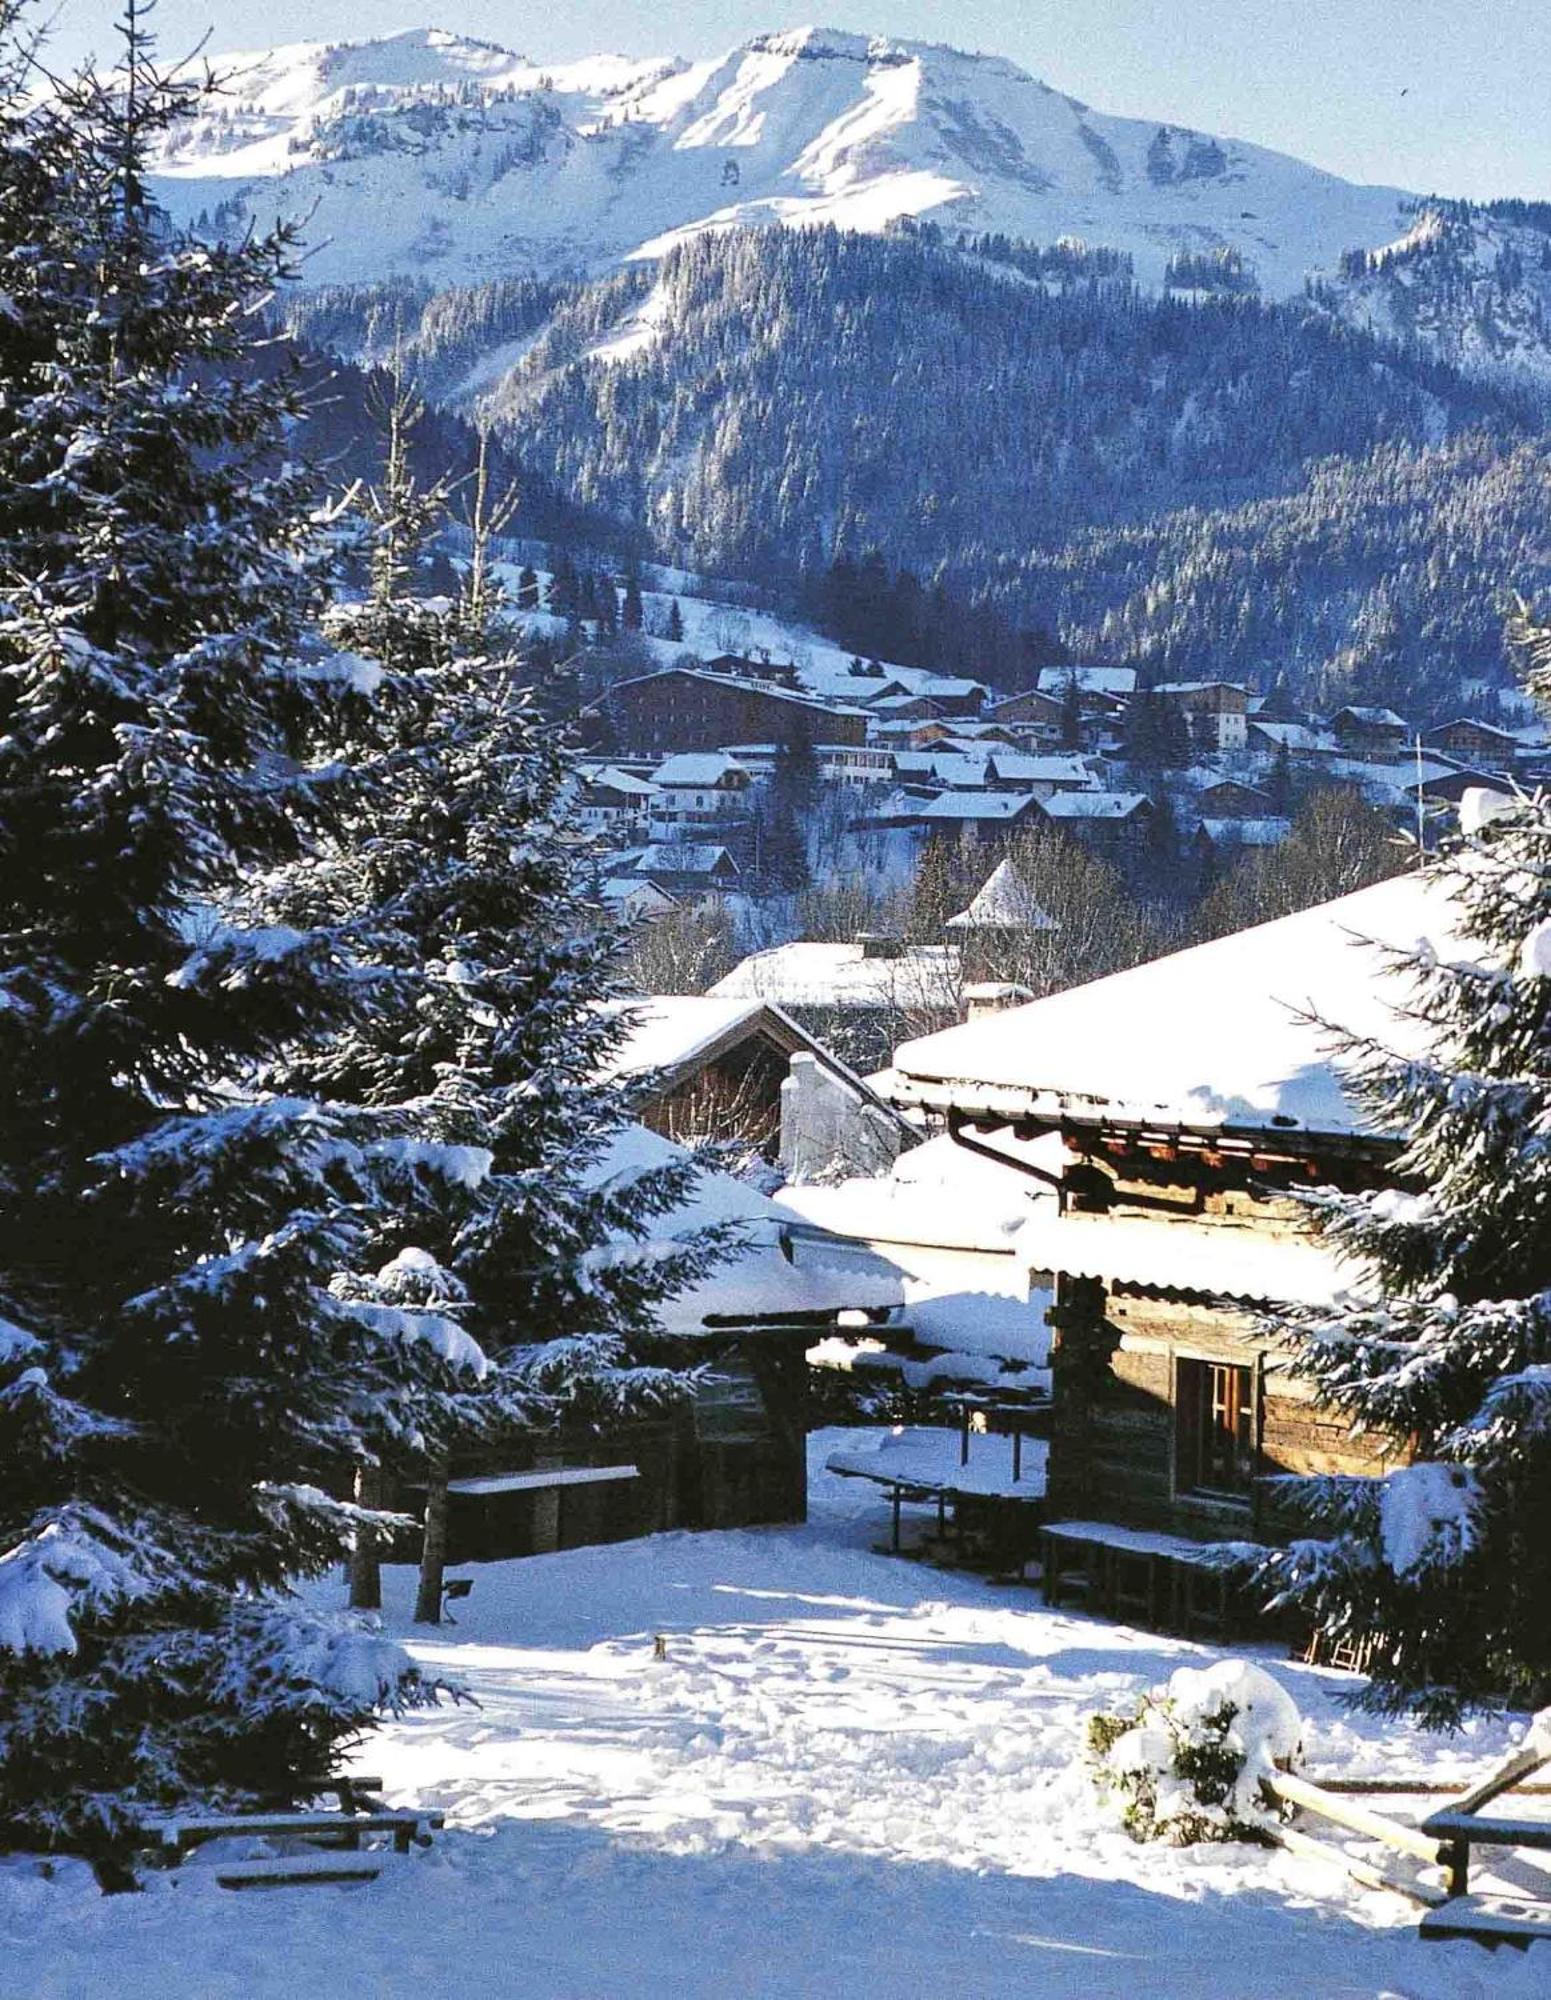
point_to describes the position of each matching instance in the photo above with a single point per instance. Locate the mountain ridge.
(432, 153)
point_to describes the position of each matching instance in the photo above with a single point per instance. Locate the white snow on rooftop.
(775, 1273)
(816, 974)
(1092, 680)
(669, 1030)
(1004, 902)
(1211, 1037)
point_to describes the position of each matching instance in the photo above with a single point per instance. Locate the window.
(1214, 1414)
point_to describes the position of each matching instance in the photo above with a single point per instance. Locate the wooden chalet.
(1216, 712)
(1195, 1100)
(688, 708)
(720, 1069)
(732, 1454)
(1466, 736)
(1371, 732)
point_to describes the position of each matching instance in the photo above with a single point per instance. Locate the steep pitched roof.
(1221, 1037)
(1004, 902)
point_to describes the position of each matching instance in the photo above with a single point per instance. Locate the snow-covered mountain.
(430, 155)
(1469, 284)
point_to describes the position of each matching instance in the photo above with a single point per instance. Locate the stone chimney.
(993, 996)
(878, 944)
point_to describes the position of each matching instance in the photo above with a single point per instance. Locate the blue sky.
(1436, 95)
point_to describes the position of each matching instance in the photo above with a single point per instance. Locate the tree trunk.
(433, 1550)
(365, 1560)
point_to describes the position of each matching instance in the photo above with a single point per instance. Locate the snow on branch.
(77, 1563)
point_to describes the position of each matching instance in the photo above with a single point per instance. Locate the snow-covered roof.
(688, 857)
(1004, 902)
(1095, 805)
(984, 805)
(1503, 736)
(1217, 1259)
(1092, 680)
(777, 1272)
(698, 767)
(937, 1196)
(1200, 687)
(1294, 735)
(1021, 767)
(669, 1030)
(812, 974)
(611, 778)
(1246, 832)
(1372, 718)
(1213, 1038)
(620, 890)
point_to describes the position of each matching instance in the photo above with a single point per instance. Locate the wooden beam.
(1368, 1873)
(1355, 1818)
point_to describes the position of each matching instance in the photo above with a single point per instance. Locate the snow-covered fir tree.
(497, 1006)
(183, 1369)
(1444, 1567)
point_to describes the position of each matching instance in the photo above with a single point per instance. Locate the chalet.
(1216, 712)
(1301, 741)
(1448, 787)
(1370, 732)
(722, 1070)
(1220, 840)
(979, 815)
(686, 870)
(697, 792)
(686, 708)
(1044, 776)
(906, 707)
(857, 997)
(1111, 823)
(734, 1453)
(1030, 715)
(1477, 742)
(616, 803)
(952, 695)
(1175, 1222)
(1227, 798)
(1099, 689)
(635, 901)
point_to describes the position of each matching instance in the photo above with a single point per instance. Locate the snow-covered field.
(852, 1777)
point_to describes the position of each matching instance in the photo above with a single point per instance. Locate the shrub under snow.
(1192, 1760)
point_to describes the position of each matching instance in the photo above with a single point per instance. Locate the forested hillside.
(1202, 484)
(789, 391)
(1383, 577)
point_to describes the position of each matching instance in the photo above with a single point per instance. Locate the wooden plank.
(1484, 1831)
(1413, 1788)
(1366, 1872)
(541, 1481)
(1489, 1919)
(1501, 1778)
(1355, 1818)
(220, 1826)
(300, 1870)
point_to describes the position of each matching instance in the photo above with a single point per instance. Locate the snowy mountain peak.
(434, 155)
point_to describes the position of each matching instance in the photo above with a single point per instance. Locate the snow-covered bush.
(1191, 1761)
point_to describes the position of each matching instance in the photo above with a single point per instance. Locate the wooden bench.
(1162, 1580)
(332, 1840)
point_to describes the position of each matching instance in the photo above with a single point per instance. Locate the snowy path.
(852, 1776)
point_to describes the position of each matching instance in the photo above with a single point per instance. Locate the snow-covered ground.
(851, 1777)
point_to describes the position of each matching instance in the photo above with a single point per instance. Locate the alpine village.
(775, 1035)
